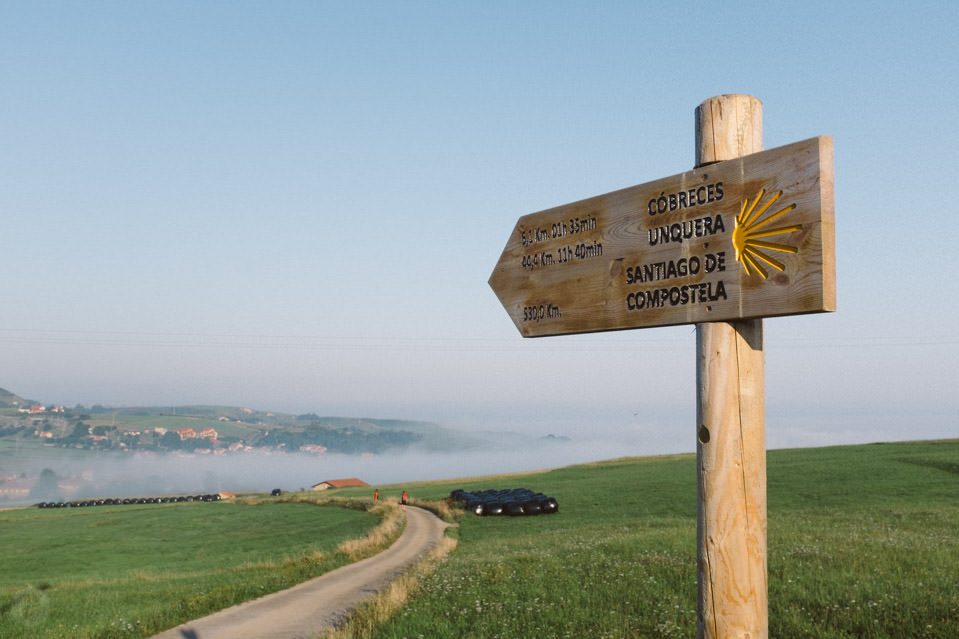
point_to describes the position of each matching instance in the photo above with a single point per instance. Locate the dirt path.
(319, 604)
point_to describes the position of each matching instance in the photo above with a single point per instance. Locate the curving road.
(321, 603)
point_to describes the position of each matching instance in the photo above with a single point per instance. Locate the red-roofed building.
(339, 483)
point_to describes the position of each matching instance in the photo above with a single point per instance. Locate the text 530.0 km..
(541, 312)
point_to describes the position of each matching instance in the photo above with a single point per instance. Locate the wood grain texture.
(731, 426)
(664, 252)
(731, 466)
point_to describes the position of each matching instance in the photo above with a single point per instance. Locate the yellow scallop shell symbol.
(751, 248)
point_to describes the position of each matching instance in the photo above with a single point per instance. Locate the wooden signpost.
(747, 234)
(748, 237)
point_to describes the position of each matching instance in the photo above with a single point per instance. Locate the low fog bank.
(150, 474)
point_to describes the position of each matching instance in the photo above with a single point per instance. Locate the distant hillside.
(226, 430)
(10, 400)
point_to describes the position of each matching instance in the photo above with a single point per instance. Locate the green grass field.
(132, 570)
(863, 542)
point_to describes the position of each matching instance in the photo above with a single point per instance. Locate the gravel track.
(320, 604)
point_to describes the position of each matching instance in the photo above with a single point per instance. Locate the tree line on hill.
(338, 440)
(72, 429)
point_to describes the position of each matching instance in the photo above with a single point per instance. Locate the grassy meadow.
(863, 542)
(133, 570)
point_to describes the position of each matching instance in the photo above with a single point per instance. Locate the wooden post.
(731, 429)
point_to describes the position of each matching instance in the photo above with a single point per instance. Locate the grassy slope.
(862, 543)
(122, 571)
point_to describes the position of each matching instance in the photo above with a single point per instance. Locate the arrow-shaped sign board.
(745, 238)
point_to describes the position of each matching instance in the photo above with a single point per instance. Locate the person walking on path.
(403, 500)
(376, 495)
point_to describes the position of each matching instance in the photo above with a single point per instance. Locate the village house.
(315, 449)
(186, 433)
(339, 483)
(16, 488)
(209, 433)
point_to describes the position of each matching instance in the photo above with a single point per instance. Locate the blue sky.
(296, 206)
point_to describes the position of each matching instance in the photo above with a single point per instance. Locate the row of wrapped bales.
(114, 501)
(514, 502)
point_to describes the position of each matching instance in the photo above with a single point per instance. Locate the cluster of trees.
(46, 486)
(338, 440)
(74, 432)
(73, 429)
(11, 429)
